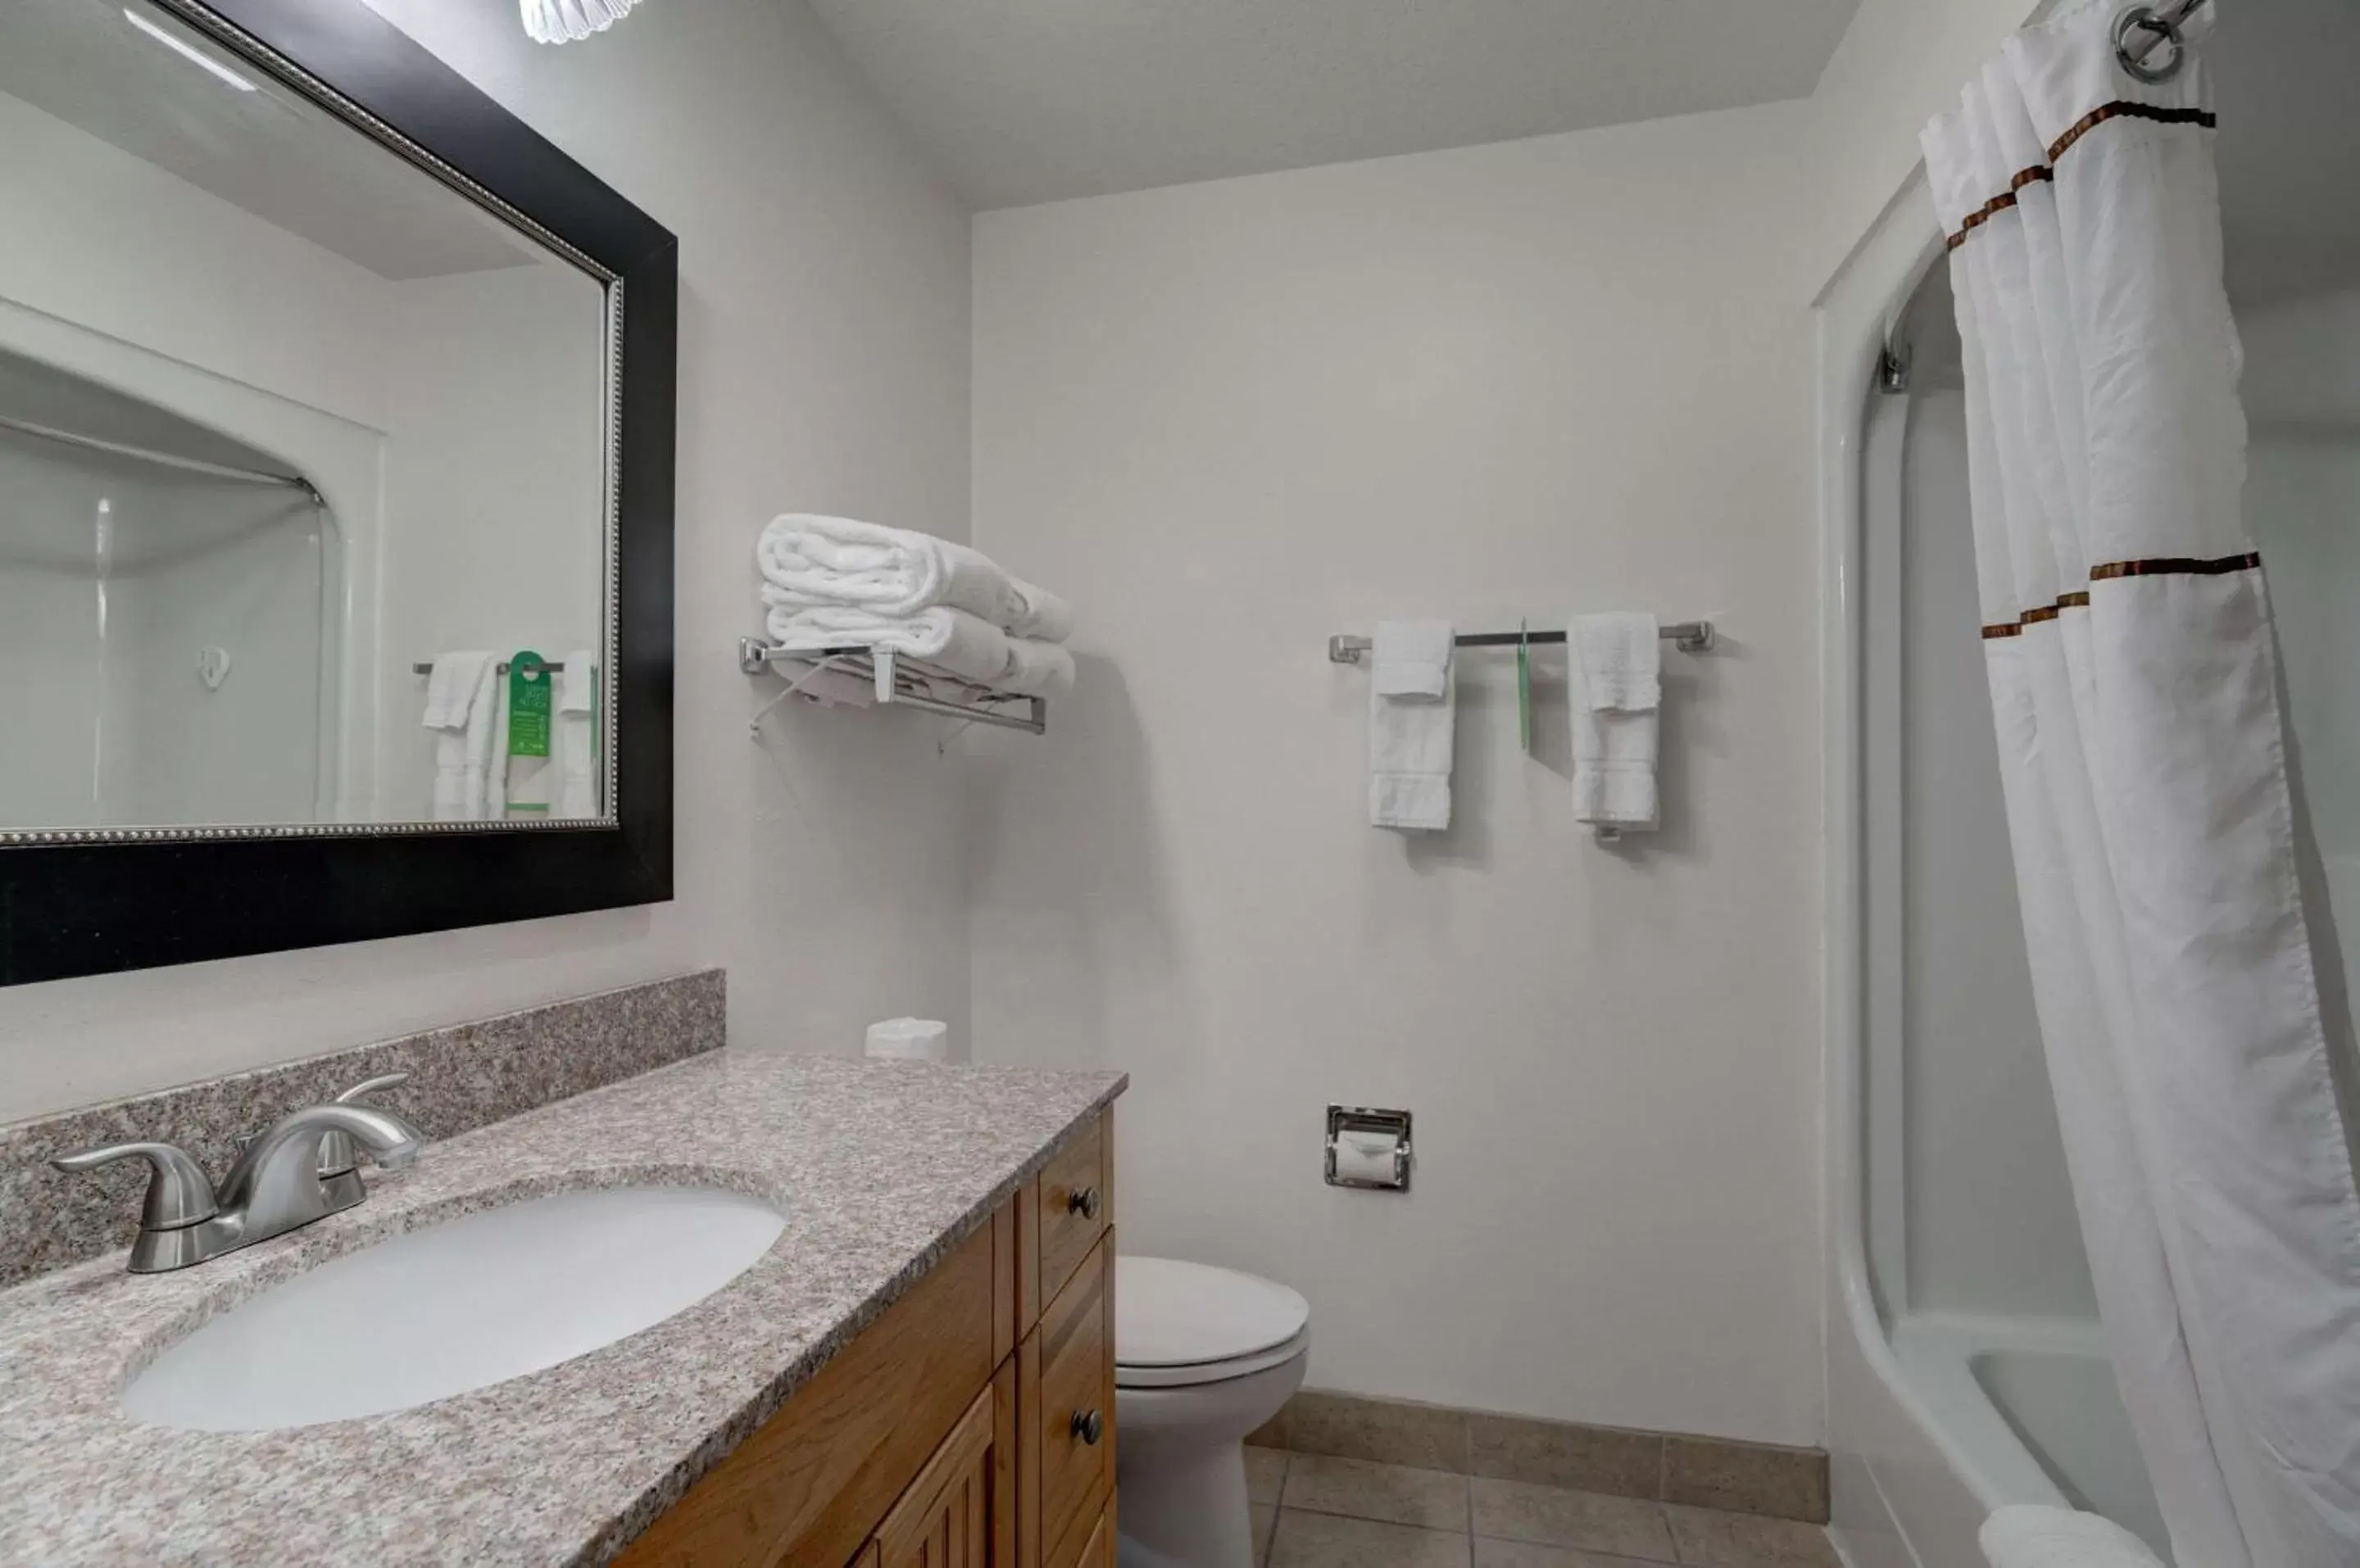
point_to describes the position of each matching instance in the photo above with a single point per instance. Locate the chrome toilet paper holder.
(1343, 1120)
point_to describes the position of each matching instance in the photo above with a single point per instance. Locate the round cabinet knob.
(1083, 1201)
(1089, 1426)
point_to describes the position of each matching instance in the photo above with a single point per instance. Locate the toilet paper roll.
(1366, 1156)
(910, 1039)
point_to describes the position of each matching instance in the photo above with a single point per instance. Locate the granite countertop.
(879, 1167)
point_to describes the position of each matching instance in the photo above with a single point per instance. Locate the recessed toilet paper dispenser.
(1367, 1148)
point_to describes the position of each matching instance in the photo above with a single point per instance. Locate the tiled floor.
(1310, 1512)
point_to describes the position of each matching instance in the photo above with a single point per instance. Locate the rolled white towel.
(967, 646)
(1045, 617)
(812, 561)
(2032, 1535)
(1037, 669)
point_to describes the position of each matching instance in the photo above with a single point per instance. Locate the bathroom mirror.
(335, 463)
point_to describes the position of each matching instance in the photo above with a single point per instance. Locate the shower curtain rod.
(169, 460)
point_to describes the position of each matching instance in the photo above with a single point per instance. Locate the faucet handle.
(177, 1193)
(337, 1154)
(368, 1086)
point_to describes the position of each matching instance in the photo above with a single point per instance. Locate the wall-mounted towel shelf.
(908, 682)
(1688, 637)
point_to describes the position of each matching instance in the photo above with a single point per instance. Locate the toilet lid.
(1170, 1313)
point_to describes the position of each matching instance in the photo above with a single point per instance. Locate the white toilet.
(1203, 1355)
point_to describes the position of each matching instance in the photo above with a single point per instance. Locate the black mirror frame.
(73, 909)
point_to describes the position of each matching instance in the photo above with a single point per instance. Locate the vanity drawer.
(1069, 1364)
(1076, 1204)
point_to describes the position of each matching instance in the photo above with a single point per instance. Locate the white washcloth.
(1411, 658)
(1409, 751)
(575, 737)
(450, 699)
(2033, 1535)
(1620, 657)
(1613, 761)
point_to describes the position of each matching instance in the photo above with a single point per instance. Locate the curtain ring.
(2142, 19)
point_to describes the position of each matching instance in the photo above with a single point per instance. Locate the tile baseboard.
(1669, 1467)
(462, 1077)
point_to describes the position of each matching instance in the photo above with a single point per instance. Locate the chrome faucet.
(300, 1168)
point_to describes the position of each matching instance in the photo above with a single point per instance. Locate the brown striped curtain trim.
(2121, 110)
(2161, 566)
(1999, 203)
(2177, 566)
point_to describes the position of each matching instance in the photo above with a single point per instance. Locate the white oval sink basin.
(463, 1304)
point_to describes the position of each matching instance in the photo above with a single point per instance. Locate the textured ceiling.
(1026, 101)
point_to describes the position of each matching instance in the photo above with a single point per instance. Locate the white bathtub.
(2033, 1403)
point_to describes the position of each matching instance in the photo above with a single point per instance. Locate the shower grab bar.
(167, 459)
(1688, 637)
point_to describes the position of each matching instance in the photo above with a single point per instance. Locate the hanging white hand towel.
(484, 716)
(1410, 736)
(451, 689)
(1614, 744)
(2031, 1535)
(577, 735)
(1411, 658)
(1621, 659)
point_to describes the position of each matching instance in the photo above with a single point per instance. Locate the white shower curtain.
(2133, 681)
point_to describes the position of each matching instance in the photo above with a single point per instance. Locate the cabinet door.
(952, 1515)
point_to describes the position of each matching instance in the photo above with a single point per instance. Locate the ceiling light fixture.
(186, 51)
(564, 21)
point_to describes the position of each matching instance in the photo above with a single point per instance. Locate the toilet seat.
(1182, 1324)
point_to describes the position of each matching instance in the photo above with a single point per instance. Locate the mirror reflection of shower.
(165, 610)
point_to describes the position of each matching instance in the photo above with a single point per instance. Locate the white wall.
(1900, 63)
(1519, 380)
(2301, 391)
(823, 355)
(493, 487)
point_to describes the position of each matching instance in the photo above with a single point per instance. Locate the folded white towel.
(967, 646)
(2032, 1535)
(1620, 657)
(811, 560)
(451, 691)
(1409, 749)
(1411, 658)
(575, 735)
(1613, 762)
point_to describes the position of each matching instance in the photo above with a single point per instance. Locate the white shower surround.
(1920, 1452)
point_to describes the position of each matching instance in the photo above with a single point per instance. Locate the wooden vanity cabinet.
(972, 1426)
